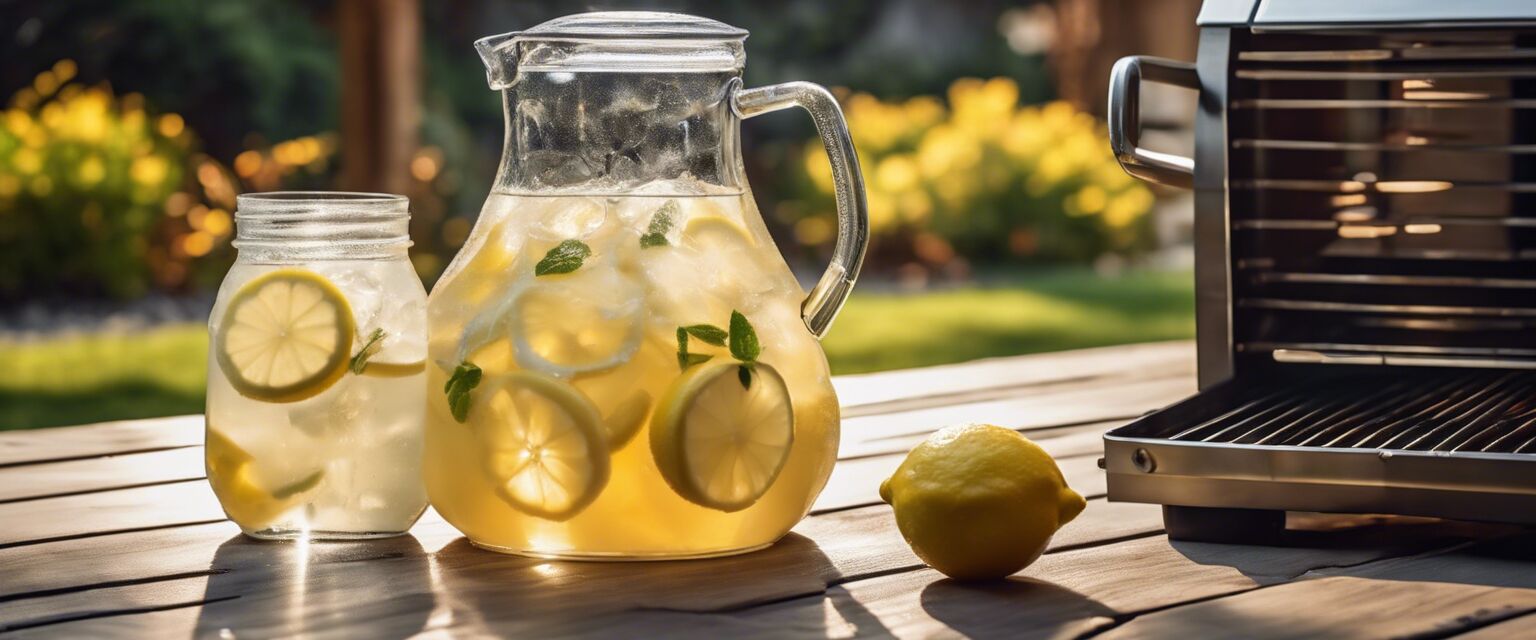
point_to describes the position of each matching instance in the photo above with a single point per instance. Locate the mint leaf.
(744, 346)
(744, 374)
(465, 378)
(564, 258)
(371, 346)
(685, 359)
(309, 482)
(708, 333)
(661, 224)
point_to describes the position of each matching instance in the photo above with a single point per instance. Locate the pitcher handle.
(829, 294)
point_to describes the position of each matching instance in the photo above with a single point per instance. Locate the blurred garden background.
(1002, 224)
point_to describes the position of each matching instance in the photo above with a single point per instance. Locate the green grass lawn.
(160, 372)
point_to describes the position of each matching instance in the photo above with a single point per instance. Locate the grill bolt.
(1144, 461)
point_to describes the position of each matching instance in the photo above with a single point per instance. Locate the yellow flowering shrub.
(993, 179)
(84, 176)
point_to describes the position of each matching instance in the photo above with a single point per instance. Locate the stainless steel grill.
(1365, 202)
(1468, 411)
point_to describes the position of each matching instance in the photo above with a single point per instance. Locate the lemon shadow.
(1015, 607)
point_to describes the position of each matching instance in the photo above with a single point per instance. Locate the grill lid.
(1281, 14)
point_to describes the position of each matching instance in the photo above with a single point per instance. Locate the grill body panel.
(1365, 243)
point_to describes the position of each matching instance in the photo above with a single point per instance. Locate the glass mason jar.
(623, 365)
(316, 361)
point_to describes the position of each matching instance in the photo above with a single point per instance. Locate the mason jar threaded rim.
(283, 226)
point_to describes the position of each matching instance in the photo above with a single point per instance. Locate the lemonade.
(316, 372)
(624, 376)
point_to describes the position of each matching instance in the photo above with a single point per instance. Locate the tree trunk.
(380, 48)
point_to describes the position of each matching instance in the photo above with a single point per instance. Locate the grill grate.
(1464, 411)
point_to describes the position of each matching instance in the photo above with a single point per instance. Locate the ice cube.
(570, 218)
(335, 412)
(362, 283)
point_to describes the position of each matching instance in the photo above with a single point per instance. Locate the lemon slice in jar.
(285, 336)
(546, 449)
(720, 437)
(232, 474)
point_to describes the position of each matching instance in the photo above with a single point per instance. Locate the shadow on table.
(269, 589)
(1015, 607)
(1383, 547)
(503, 595)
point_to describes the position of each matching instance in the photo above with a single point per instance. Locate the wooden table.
(110, 530)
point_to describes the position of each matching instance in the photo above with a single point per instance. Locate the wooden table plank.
(1432, 594)
(105, 439)
(825, 550)
(845, 571)
(1062, 595)
(57, 479)
(1523, 626)
(952, 383)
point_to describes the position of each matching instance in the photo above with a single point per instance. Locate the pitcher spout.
(499, 53)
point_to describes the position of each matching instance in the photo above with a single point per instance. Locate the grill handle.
(1125, 118)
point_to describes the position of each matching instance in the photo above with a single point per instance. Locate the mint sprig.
(465, 378)
(685, 359)
(661, 224)
(359, 362)
(742, 339)
(564, 258)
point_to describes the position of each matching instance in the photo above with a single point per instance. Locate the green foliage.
(83, 182)
(982, 177)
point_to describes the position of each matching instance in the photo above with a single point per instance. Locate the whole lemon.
(979, 501)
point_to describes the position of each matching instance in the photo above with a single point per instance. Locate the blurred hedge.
(84, 177)
(100, 196)
(978, 176)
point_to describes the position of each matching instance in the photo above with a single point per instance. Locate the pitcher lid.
(648, 25)
(615, 41)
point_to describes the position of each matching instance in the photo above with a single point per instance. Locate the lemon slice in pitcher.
(716, 230)
(231, 473)
(546, 449)
(587, 322)
(286, 335)
(719, 437)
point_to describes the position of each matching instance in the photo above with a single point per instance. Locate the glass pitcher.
(625, 366)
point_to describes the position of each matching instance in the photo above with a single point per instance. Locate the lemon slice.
(626, 418)
(545, 446)
(716, 230)
(286, 336)
(720, 444)
(232, 475)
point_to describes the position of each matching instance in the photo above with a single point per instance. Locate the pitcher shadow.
(738, 596)
(270, 589)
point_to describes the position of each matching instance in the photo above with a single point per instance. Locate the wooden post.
(380, 49)
(1092, 34)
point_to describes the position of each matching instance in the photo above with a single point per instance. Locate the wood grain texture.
(86, 553)
(95, 440)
